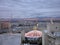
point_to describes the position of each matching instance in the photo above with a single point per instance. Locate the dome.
(34, 33)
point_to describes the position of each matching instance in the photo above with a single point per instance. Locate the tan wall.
(5, 25)
(53, 27)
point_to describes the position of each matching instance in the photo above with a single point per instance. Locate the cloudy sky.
(29, 8)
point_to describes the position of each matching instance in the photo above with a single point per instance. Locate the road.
(10, 39)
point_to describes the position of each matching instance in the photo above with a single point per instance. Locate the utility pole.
(10, 30)
(51, 21)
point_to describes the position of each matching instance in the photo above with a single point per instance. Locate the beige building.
(52, 36)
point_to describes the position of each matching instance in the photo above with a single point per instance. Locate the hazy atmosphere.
(29, 8)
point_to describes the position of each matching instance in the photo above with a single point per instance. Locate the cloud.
(29, 8)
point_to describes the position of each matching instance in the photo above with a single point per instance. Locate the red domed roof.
(34, 33)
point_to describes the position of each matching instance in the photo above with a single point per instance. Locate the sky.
(29, 8)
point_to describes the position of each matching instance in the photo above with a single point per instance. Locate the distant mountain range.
(35, 18)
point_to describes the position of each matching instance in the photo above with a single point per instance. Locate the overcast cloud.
(29, 8)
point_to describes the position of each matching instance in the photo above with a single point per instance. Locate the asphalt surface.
(10, 39)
